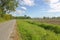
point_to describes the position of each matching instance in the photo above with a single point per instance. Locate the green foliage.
(7, 6)
(31, 31)
(22, 17)
(7, 17)
(2, 20)
(54, 28)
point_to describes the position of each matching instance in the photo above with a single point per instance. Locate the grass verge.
(33, 32)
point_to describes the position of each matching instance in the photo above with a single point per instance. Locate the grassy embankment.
(38, 31)
(2, 20)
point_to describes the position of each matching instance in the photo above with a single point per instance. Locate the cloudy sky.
(38, 8)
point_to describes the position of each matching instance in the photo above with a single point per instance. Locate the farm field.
(50, 21)
(37, 30)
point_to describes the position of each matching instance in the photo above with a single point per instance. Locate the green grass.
(51, 27)
(2, 20)
(31, 31)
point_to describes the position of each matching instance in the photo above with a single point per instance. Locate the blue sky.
(38, 8)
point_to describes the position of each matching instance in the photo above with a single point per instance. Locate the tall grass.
(51, 27)
(2, 20)
(33, 32)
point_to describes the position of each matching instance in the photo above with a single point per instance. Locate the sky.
(38, 8)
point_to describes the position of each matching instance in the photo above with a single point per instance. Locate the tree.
(7, 17)
(44, 17)
(25, 16)
(28, 17)
(7, 6)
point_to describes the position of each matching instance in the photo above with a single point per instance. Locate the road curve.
(6, 29)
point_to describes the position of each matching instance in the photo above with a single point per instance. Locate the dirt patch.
(15, 35)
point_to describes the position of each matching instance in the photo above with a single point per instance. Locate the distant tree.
(44, 17)
(58, 17)
(28, 17)
(53, 17)
(25, 16)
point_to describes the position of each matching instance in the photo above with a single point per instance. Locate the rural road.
(6, 29)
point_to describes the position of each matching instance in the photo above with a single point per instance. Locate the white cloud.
(54, 5)
(28, 2)
(24, 8)
(53, 1)
(17, 12)
(53, 10)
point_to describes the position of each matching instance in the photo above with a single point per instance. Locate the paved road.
(6, 29)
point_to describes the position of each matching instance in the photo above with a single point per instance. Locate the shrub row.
(54, 28)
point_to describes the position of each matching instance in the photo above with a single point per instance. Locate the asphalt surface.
(6, 29)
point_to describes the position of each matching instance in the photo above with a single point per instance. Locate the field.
(38, 29)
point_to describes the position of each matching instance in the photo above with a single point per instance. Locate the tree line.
(22, 17)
